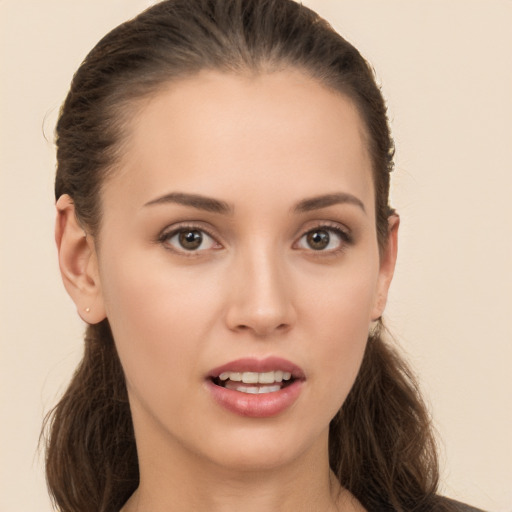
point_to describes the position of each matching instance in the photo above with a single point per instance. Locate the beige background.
(446, 71)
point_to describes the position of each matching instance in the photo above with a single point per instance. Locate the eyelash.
(345, 238)
(168, 234)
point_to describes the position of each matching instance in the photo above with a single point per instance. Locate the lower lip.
(263, 405)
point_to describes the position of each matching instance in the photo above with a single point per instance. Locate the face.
(238, 241)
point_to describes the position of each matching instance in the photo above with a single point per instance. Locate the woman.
(224, 229)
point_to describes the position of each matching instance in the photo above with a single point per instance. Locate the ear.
(387, 267)
(78, 263)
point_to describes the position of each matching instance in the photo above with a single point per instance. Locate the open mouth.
(256, 388)
(255, 382)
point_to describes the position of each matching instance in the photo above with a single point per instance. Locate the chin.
(263, 447)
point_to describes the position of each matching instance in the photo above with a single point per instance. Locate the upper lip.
(250, 364)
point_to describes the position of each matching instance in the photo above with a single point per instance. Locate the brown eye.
(190, 240)
(324, 238)
(318, 239)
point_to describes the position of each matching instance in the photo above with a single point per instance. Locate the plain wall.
(446, 70)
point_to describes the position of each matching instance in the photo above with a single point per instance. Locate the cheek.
(341, 319)
(154, 314)
(343, 300)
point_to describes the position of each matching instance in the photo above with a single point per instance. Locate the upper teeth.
(255, 378)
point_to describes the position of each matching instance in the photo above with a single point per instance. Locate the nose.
(260, 296)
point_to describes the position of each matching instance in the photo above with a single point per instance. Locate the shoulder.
(457, 506)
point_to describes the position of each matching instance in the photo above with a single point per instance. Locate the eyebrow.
(195, 201)
(210, 204)
(324, 201)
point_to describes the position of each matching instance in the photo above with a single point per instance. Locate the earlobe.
(387, 266)
(78, 263)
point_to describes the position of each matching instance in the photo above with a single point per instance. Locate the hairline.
(129, 104)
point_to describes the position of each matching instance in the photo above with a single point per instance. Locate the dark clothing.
(462, 507)
(441, 504)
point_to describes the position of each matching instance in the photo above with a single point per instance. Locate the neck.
(184, 482)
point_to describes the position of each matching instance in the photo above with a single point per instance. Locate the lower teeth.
(256, 390)
(253, 390)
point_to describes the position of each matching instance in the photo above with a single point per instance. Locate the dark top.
(442, 504)
(462, 507)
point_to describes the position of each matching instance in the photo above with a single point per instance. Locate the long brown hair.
(380, 445)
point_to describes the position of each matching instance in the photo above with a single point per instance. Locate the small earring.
(374, 328)
(87, 310)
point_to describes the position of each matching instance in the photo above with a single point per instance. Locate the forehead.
(223, 135)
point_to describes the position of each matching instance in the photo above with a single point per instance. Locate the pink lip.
(263, 405)
(250, 364)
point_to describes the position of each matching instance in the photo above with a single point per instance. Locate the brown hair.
(380, 445)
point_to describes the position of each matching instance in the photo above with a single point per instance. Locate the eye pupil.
(318, 240)
(190, 239)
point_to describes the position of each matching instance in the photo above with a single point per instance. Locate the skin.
(254, 288)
